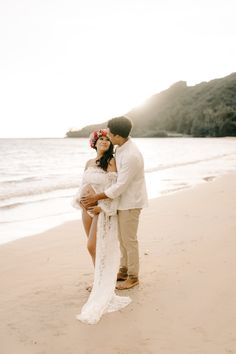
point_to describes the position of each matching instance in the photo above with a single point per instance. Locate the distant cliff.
(206, 109)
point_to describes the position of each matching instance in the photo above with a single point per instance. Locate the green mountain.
(206, 109)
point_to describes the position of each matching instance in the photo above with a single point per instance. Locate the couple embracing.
(112, 195)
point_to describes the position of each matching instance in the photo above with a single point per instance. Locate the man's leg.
(122, 275)
(129, 220)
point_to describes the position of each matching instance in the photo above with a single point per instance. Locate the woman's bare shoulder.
(89, 163)
(112, 165)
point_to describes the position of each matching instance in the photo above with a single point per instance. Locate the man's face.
(114, 138)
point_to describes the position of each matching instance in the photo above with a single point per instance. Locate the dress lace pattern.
(102, 298)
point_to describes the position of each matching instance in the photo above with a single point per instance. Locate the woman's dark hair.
(120, 126)
(103, 162)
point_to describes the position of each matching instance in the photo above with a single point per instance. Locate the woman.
(105, 162)
(100, 224)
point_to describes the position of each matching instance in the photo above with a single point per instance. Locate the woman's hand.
(95, 210)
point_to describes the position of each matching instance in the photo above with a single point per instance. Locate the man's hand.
(89, 200)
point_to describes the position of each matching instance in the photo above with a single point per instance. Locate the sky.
(65, 64)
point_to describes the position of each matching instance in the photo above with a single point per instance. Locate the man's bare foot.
(128, 283)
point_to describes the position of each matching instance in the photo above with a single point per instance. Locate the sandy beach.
(185, 303)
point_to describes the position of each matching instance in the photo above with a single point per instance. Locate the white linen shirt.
(130, 185)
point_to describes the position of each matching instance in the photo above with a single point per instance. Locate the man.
(131, 189)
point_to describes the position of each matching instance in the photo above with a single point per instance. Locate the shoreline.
(185, 303)
(35, 202)
(53, 221)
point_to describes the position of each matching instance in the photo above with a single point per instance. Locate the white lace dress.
(102, 298)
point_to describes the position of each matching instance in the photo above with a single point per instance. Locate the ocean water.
(38, 177)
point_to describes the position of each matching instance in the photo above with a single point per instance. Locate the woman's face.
(103, 143)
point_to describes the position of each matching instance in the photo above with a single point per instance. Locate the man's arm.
(130, 167)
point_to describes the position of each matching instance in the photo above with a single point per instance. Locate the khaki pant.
(128, 226)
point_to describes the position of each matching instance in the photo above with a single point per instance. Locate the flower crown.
(94, 136)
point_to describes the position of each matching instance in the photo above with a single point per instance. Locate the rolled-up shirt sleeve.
(130, 166)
